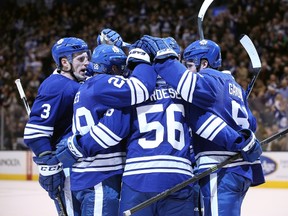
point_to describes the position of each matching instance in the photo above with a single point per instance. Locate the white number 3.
(46, 111)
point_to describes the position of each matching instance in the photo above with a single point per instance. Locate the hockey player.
(51, 114)
(218, 102)
(158, 149)
(96, 178)
(113, 127)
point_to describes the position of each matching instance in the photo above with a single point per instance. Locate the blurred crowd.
(30, 27)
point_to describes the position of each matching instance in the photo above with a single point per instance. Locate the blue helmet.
(66, 47)
(203, 49)
(104, 57)
(173, 44)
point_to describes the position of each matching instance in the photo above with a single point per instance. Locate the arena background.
(30, 27)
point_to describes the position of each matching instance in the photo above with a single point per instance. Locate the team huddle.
(111, 130)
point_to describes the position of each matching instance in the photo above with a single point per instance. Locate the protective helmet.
(66, 47)
(203, 49)
(173, 44)
(105, 56)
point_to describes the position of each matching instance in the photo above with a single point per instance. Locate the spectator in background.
(25, 25)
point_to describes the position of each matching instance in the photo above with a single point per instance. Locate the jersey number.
(46, 111)
(238, 109)
(170, 128)
(84, 120)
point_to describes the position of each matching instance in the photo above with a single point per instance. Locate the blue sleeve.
(110, 130)
(118, 92)
(196, 88)
(51, 114)
(171, 71)
(213, 129)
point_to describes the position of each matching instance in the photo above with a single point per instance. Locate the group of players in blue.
(111, 130)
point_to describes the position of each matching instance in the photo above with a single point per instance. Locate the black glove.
(51, 175)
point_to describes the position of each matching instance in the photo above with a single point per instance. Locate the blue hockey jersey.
(51, 113)
(218, 106)
(93, 99)
(158, 147)
(158, 142)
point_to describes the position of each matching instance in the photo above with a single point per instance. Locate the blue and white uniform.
(51, 119)
(48, 121)
(51, 116)
(101, 172)
(158, 151)
(218, 106)
(158, 155)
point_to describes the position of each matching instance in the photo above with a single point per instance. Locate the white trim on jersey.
(34, 131)
(209, 159)
(211, 127)
(213, 194)
(139, 92)
(158, 164)
(99, 199)
(186, 85)
(104, 136)
(101, 163)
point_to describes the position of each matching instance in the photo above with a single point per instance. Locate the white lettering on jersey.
(159, 94)
(234, 90)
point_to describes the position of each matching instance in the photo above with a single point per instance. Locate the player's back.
(88, 109)
(225, 99)
(158, 155)
(219, 93)
(52, 111)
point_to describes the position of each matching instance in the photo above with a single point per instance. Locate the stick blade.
(252, 52)
(204, 8)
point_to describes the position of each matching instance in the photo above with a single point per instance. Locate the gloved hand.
(89, 70)
(51, 175)
(158, 48)
(139, 44)
(68, 151)
(250, 147)
(109, 36)
(135, 57)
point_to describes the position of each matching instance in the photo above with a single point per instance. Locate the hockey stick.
(58, 200)
(201, 14)
(255, 60)
(197, 177)
(22, 95)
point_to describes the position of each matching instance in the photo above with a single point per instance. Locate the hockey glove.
(68, 151)
(158, 48)
(137, 56)
(51, 175)
(250, 147)
(109, 36)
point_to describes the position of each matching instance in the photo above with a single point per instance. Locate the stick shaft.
(201, 15)
(197, 177)
(59, 202)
